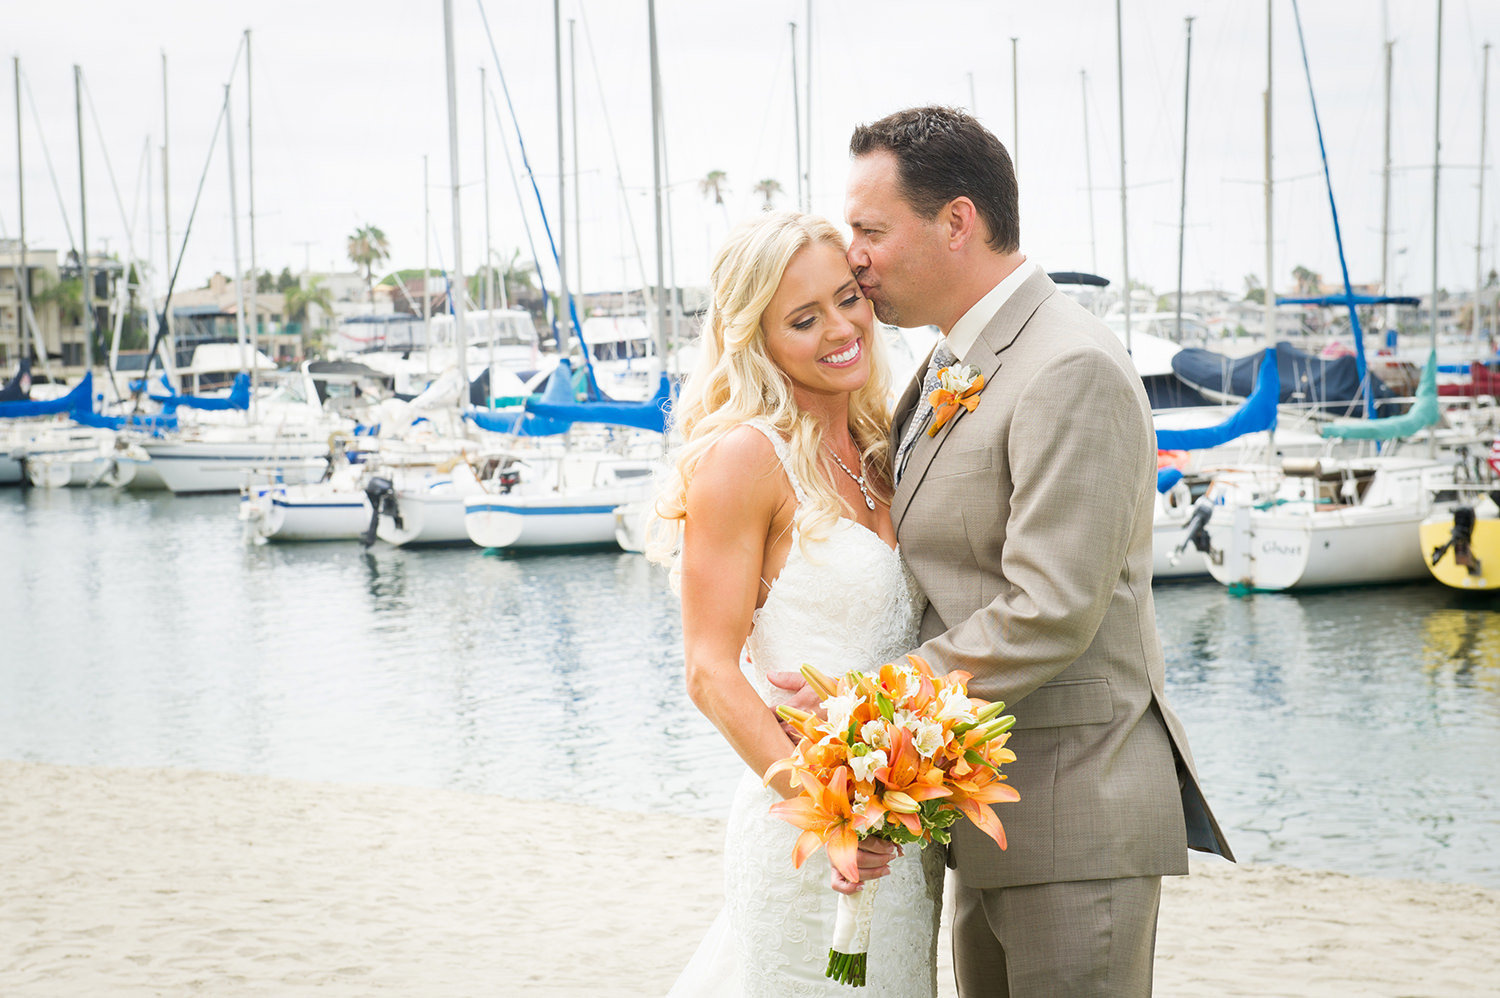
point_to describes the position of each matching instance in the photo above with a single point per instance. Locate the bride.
(778, 503)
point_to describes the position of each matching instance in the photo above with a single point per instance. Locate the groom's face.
(896, 254)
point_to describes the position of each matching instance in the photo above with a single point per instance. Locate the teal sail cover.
(1423, 413)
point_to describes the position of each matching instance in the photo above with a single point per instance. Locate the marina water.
(1355, 730)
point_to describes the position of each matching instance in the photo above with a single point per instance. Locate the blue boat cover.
(1256, 414)
(239, 398)
(1303, 376)
(648, 415)
(1166, 478)
(155, 425)
(81, 397)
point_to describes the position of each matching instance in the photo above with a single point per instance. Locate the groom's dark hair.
(941, 154)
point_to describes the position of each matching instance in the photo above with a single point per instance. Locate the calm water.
(1355, 731)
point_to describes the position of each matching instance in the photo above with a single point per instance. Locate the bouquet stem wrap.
(851, 935)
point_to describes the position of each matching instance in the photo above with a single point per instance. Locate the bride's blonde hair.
(736, 381)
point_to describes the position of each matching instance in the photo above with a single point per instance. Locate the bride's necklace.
(859, 480)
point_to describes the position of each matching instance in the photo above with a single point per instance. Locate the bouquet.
(902, 755)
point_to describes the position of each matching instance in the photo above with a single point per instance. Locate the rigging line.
(161, 328)
(526, 161)
(62, 206)
(536, 259)
(640, 258)
(109, 167)
(1359, 344)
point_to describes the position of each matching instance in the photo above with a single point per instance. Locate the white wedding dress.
(843, 602)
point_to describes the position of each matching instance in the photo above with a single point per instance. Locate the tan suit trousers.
(1005, 939)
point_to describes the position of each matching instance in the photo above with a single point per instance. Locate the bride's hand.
(803, 698)
(873, 859)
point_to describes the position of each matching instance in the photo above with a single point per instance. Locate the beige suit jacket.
(1028, 524)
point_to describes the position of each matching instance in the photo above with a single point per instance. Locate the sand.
(126, 882)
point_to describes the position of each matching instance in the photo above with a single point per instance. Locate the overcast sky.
(349, 97)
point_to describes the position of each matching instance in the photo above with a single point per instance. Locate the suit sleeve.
(1076, 451)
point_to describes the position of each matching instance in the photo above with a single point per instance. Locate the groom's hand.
(803, 698)
(873, 859)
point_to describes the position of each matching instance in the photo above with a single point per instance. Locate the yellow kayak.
(1461, 546)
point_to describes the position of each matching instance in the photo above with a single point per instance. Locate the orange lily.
(945, 404)
(825, 816)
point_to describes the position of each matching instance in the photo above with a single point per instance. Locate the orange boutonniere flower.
(957, 387)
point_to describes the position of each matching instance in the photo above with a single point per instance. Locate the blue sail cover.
(1303, 376)
(81, 397)
(155, 425)
(648, 415)
(239, 398)
(1256, 414)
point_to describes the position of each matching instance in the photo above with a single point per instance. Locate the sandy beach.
(170, 882)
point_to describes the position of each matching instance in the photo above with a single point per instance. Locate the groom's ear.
(962, 223)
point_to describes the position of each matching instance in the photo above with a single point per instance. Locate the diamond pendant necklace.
(858, 479)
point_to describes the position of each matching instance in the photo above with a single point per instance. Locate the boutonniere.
(957, 387)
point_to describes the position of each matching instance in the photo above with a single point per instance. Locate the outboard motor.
(382, 495)
(1459, 540)
(1196, 532)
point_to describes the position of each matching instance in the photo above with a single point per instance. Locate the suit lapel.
(985, 354)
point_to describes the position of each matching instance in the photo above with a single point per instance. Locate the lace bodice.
(842, 602)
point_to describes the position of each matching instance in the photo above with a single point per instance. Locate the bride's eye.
(849, 302)
(805, 323)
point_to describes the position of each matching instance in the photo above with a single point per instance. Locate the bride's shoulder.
(741, 466)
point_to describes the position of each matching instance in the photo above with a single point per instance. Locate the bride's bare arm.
(737, 493)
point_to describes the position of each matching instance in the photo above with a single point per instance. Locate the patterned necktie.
(941, 357)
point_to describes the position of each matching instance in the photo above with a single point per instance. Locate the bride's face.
(818, 325)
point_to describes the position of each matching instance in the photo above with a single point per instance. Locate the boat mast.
(656, 185)
(250, 189)
(797, 118)
(484, 144)
(487, 284)
(1484, 98)
(1385, 195)
(456, 287)
(426, 270)
(166, 211)
(234, 232)
(577, 204)
(807, 163)
(23, 272)
(85, 292)
(1088, 172)
(1182, 196)
(1268, 296)
(565, 301)
(1124, 220)
(1015, 109)
(1437, 146)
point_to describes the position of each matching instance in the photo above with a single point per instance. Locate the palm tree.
(368, 247)
(715, 184)
(1309, 282)
(768, 189)
(299, 297)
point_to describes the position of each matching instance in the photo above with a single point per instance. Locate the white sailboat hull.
(226, 466)
(306, 513)
(540, 521)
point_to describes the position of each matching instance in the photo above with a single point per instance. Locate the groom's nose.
(858, 258)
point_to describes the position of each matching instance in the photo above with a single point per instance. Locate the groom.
(1027, 522)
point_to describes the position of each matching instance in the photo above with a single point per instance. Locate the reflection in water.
(1352, 730)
